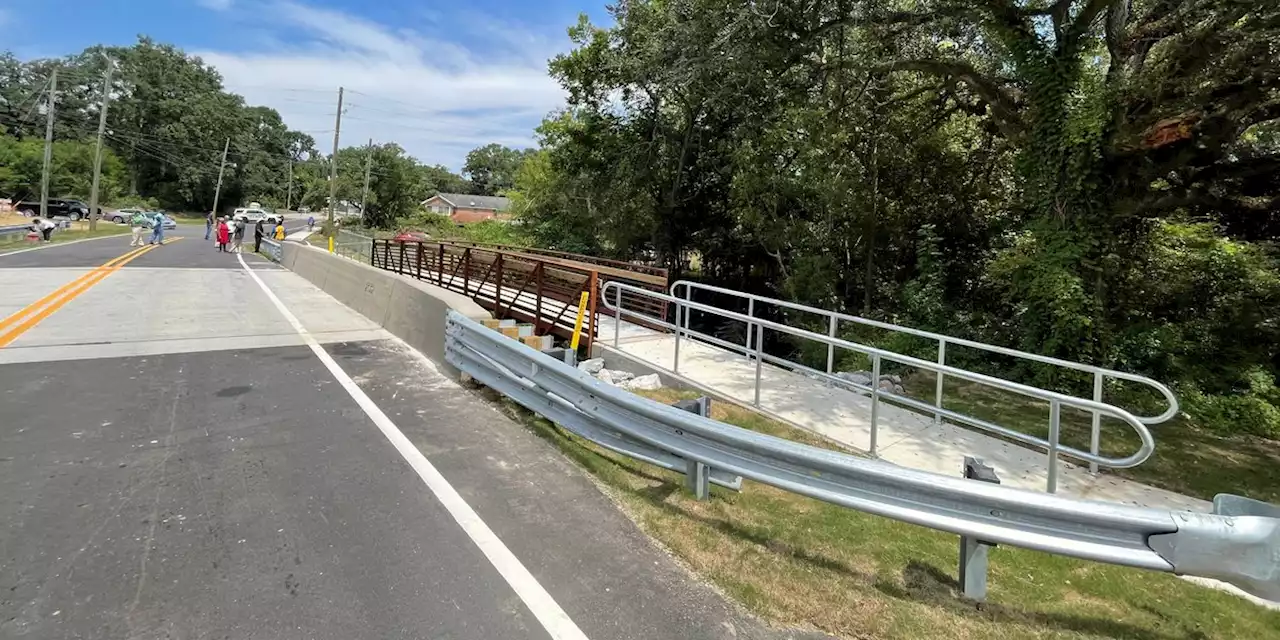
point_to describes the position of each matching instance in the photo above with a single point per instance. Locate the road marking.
(540, 603)
(62, 244)
(66, 293)
(60, 290)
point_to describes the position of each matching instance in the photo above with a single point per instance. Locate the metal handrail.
(1236, 543)
(1100, 374)
(1052, 444)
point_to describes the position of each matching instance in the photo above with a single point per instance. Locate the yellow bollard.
(330, 244)
(577, 325)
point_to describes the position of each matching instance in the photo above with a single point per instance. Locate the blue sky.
(440, 77)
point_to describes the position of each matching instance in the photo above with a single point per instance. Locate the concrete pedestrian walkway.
(904, 437)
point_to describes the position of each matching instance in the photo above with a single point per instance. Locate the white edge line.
(61, 244)
(540, 603)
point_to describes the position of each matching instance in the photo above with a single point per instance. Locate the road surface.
(196, 447)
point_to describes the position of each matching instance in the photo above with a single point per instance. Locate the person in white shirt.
(44, 226)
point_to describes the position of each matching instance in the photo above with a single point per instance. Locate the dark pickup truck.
(58, 208)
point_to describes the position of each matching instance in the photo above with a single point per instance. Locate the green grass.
(1187, 459)
(800, 562)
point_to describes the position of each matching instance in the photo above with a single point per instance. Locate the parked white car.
(251, 215)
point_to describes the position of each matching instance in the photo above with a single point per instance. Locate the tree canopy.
(1091, 179)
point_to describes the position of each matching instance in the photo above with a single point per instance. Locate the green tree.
(492, 168)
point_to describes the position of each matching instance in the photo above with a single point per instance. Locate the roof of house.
(464, 201)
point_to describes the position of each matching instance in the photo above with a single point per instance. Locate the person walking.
(258, 232)
(138, 223)
(237, 236)
(208, 225)
(224, 235)
(157, 228)
(311, 223)
(279, 234)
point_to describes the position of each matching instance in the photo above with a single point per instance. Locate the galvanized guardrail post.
(973, 552)
(698, 475)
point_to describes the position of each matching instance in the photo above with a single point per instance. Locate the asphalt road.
(176, 461)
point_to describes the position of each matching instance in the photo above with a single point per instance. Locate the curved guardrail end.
(1239, 544)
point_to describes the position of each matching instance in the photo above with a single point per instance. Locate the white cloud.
(216, 5)
(436, 97)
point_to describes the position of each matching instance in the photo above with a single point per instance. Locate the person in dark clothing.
(258, 232)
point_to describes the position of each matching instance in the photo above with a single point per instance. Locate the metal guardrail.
(1238, 543)
(1052, 445)
(1100, 374)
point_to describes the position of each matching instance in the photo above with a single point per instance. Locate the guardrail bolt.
(973, 552)
(697, 475)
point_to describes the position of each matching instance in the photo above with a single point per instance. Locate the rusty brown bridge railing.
(542, 289)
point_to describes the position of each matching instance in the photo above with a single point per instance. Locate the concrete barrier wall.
(413, 311)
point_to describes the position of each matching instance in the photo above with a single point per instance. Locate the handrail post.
(751, 312)
(759, 360)
(592, 311)
(537, 309)
(937, 394)
(466, 271)
(1095, 433)
(1055, 428)
(418, 255)
(831, 348)
(617, 318)
(440, 265)
(875, 402)
(680, 312)
(497, 291)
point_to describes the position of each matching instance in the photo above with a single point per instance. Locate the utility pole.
(368, 168)
(223, 165)
(288, 199)
(333, 163)
(48, 146)
(97, 154)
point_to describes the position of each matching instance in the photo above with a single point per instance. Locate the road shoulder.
(607, 574)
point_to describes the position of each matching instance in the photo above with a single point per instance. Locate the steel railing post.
(537, 309)
(875, 402)
(759, 359)
(751, 313)
(440, 264)
(418, 257)
(831, 348)
(1095, 434)
(373, 249)
(973, 552)
(466, 271)
(937, 394)
(617, 318)
(591, 309)
(497, 291)
(680, 311)
(1055, 428)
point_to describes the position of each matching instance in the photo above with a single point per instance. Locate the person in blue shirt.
(157, 228)
(311, 223)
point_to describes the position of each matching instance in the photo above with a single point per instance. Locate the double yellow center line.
(17, 324)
